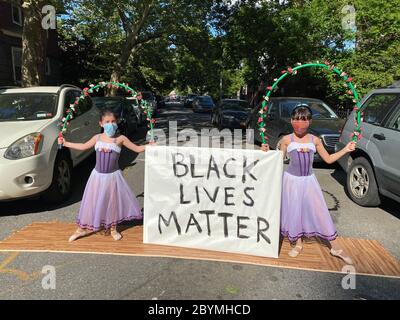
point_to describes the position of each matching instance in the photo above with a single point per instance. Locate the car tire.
(61, 185)
(361, 183)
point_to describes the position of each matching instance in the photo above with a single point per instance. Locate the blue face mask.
(110, 129)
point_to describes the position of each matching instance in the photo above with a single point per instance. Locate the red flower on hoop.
(269, 88)
(260, 120)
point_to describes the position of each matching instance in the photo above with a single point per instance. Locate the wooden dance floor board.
(369, 256)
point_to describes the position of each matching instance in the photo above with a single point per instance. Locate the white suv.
(30, 161)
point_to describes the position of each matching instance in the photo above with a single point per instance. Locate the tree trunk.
(33, 44)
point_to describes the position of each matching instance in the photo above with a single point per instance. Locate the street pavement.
(86, 276)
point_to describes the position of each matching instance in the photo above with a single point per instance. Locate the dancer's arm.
(134, 147)
(331, 158)
(78, 146)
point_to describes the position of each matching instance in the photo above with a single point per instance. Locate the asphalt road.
(84, 276)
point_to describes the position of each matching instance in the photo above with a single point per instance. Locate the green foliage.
(191, 45)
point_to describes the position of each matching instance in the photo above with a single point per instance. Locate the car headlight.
(27, 146)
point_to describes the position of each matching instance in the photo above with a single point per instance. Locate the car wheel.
(361, 183)
(61, 186)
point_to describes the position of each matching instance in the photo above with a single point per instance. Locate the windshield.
(205, 100)
(236, 105)
(114, 105)
(319, 109)
(27, 106)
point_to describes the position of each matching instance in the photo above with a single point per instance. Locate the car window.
(205, 100)
(319, 109)
(272, 110)
(394, 122)
(378, 106)
(84, 105)
(27, 106)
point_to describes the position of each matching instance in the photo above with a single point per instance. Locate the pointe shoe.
(295, 251)
(77, 234)
(338, 254)
(116, 235)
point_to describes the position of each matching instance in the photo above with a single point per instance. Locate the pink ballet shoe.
(339, 254)
(77, 234)
(295, 251)
(116, 235)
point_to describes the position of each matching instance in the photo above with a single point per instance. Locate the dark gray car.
(374, 168)
(127, 120)
(231, 113)
(325, 123)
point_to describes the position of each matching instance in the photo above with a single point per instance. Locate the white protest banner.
(215, 199)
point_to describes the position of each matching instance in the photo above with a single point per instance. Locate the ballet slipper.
(339, 254)
(116, 235)
(77, 234)
(295, 251)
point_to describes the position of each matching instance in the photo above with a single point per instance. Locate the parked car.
(127, 120)
(160, 102)
(151, 100)
(30, 162)
(231, 113)
(140, 116)
(189, 100)
(373, 169)
(203, 104)
(325, 123)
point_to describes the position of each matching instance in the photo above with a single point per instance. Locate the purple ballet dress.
(107, 200)
(303, 211)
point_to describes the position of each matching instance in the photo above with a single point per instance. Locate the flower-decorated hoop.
(70, 113)
(355, 136)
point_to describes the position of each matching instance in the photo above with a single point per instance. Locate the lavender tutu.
(304, 211)
(107, 200)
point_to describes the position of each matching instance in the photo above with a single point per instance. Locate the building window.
(47, 67)
(16, 14)
(17, 63)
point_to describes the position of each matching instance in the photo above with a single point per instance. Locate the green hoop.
(356, 136)
(92, 88)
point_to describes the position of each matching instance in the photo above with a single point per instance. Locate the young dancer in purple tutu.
(107, 200)
(304, 212)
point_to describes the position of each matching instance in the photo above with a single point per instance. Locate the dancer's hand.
(265, 147)
(61, 140)
(350, 147)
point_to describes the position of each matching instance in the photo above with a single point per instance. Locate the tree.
(125, 26)
(33, 44)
